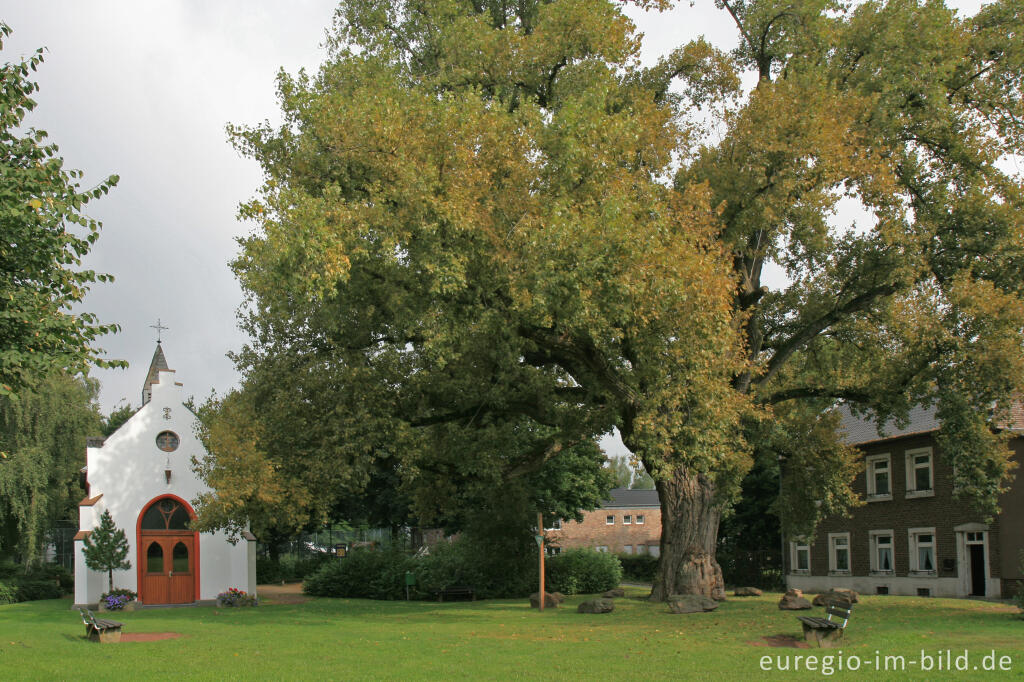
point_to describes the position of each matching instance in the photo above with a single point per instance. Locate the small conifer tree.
(106, 548)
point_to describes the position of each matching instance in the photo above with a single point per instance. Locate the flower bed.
(236, 597)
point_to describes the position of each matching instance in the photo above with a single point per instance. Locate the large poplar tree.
(469, 249)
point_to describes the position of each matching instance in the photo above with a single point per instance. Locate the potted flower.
(118, 600)
(236, 597)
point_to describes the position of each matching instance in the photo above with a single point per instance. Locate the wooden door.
(168, 568)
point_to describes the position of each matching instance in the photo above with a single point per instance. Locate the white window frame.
(601, 548)
(869, 475)
(627, 519)
(609, 520)
(832, 546)
(875, 563)
(639, 520)
(914, 546)
(910, 456)
(794, 551)
(555, 525)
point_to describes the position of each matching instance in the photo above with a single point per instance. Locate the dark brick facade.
(941, 511)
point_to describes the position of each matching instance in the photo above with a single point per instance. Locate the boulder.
(691, 603)
(550, 601)
(613, 593)
(746, 592)
(596, 606)
(558, 596)
(836, 594)
(794, 600)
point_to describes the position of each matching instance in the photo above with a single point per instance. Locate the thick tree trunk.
(689, 532)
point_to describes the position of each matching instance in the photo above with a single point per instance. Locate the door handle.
(170, 573)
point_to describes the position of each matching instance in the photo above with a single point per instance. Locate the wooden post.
(540, 534)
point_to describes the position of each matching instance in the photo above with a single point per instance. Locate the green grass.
(357, 639)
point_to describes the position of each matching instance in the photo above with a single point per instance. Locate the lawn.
(358, 639)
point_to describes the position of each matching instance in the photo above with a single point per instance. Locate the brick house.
(628, 523)
(912, 537)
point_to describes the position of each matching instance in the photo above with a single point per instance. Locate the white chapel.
(142, 475)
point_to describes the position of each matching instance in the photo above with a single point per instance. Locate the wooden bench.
(101, 629)
(456, 592)
(827, 631)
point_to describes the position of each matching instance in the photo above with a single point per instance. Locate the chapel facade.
(142, 475)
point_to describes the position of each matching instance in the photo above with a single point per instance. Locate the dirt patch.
(148, 636)
(781, 641)
(289, 593)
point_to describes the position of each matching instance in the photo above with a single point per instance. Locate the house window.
(800, 559)
(655, 550)
(601, 548)
(882, 560)
(839, 552)
(552, 551)
(555, 525)
(922, 550)
(167, 441)
(639, 519)
(627, 549)
(920, 473)
(879, 477)
(641, 549)
(627, 519)
(609, 520)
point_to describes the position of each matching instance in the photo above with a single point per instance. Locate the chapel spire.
(158, 363)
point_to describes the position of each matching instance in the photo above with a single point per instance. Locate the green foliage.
(8, 592)
(1018, 598)
(42, 444)
(582, 570)
(33, 589)
(369, 574)
(117, 417)
(45, 237)
(269, 570)
(106, 548)
(638, 567)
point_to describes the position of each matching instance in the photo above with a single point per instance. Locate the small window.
(179, 558)
(839, 552)
(801, 557)
(627, 519)
(601, 548)
(879, 478)
(555, 525)
(609, 520)
(167, 441)
(922, 550)
(641, 549)
(639, 519)
(924, 592)
(627, 549)
(882, 589)
(552, 551)
(920, 473)
(654, 550)
(975, 538)
(882, 552)
(154, 558)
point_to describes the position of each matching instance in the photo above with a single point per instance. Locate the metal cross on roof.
(159, 328)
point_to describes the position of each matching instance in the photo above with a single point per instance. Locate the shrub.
(1019, 597)
(8, 569)
(638, 567)
(8, 593)
(364, 573)
(54, 572)
(30, 590)
(492, 572)
(582, 570)
(270, 571)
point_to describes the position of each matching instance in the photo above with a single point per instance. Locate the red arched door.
(167, 558)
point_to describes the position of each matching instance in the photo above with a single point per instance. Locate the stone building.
(628, 523)
(912, 536)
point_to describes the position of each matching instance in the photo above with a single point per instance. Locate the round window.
(167, 441)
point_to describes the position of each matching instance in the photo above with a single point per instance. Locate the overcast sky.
(144, 90)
